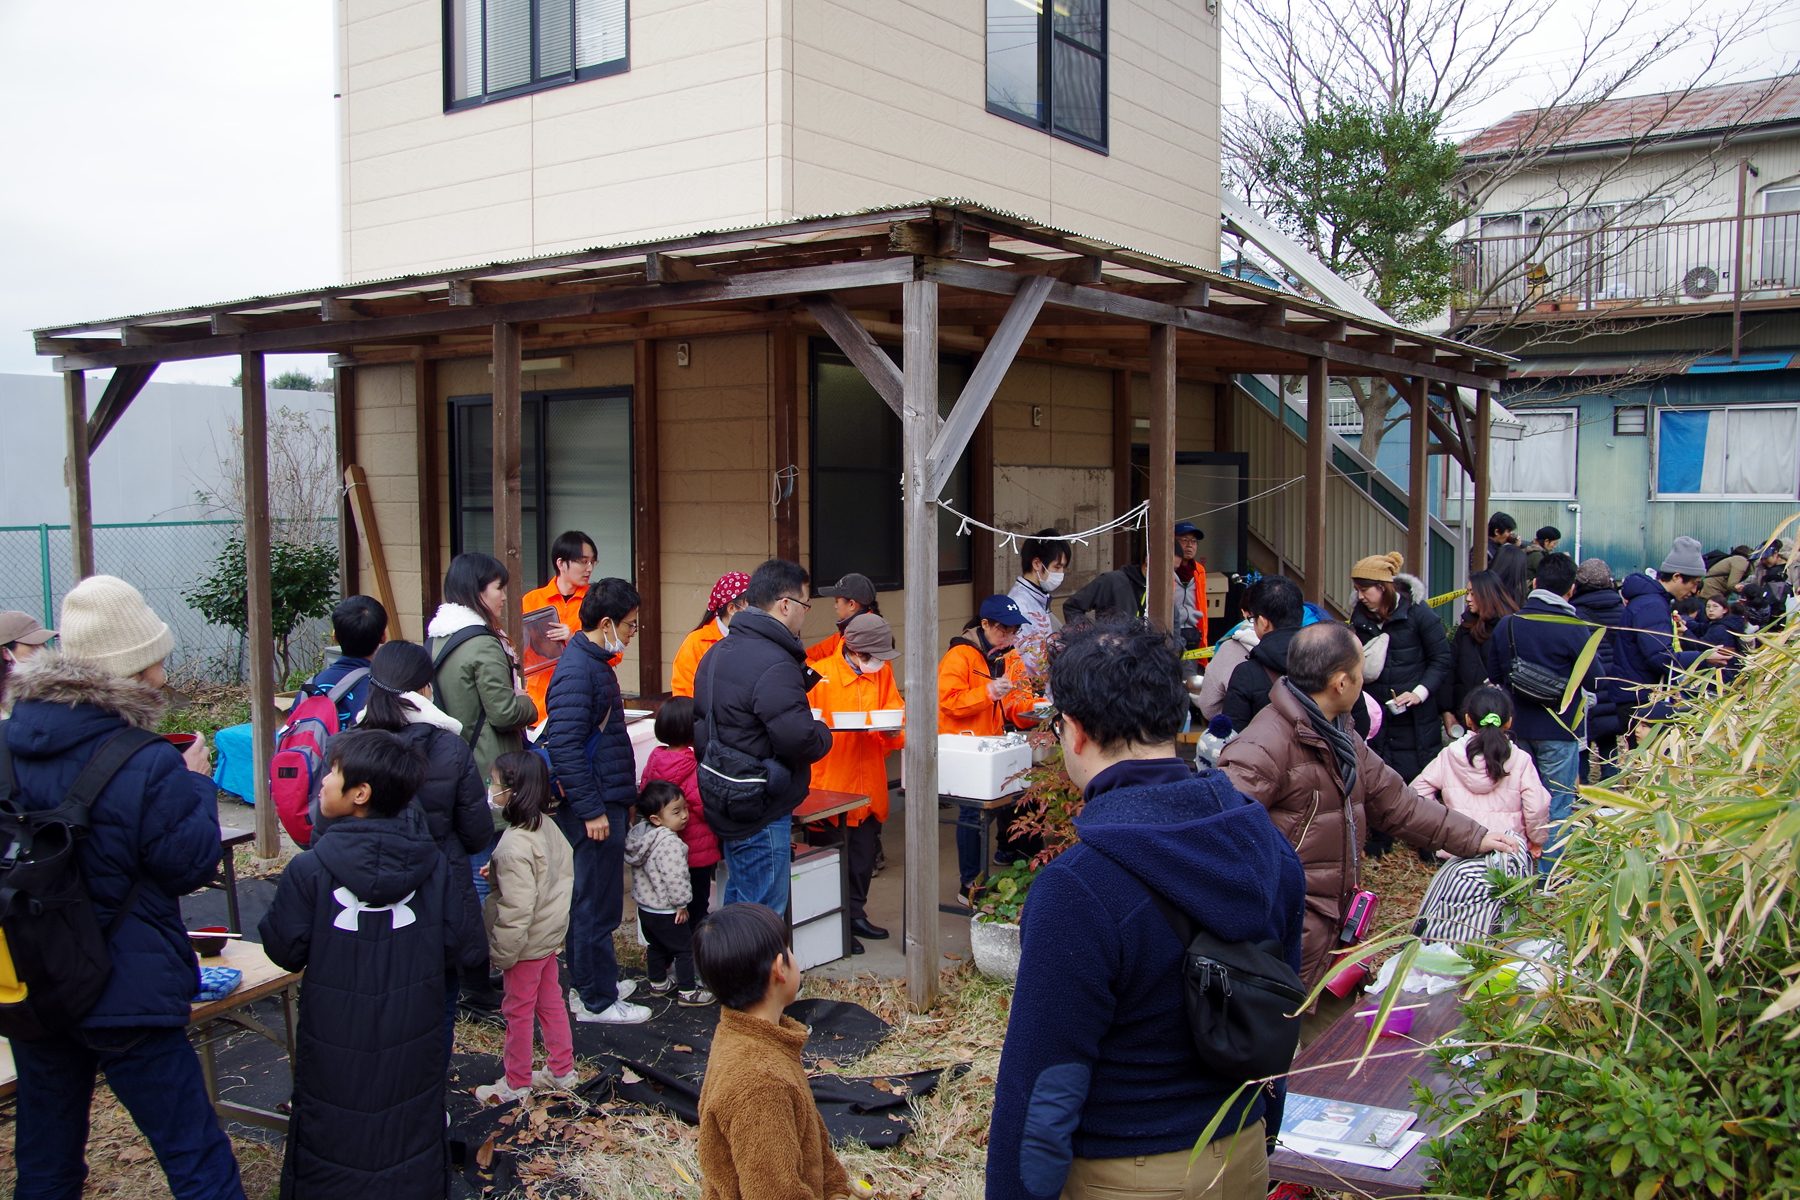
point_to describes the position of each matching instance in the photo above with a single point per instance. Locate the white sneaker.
(627, 988)
(499, 1093)
(580, 1011)
(658, 987)
(697, 998)
(619, 1012)
(544, 1079)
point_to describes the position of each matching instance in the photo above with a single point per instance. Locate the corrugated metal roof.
(1601, 365)
(1664, 115)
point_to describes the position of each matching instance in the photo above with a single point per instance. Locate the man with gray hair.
(1302, 759)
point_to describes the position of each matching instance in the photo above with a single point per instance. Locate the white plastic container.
(815, 883)
(980, 768)
(820, 942)
(887, 718)
(850, 720)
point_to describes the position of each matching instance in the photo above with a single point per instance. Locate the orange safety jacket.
(825, 649)
(858, 759)
(568, 612)
(687, 659)
(963, 702)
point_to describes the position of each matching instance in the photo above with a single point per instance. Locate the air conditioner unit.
(1701, 282)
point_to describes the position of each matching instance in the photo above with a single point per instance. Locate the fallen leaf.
(627, 1075)
(679, 1048)
(133, 1154)
(825, 1064)
(881, 1085)
(484, 1157)
(895, 1117)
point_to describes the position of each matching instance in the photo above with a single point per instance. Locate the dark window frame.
(1047, 41)
(1643, 413)
(884, 583)
(540, 500)
(561, 79)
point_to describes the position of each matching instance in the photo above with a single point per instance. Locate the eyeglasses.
(799, 601)
(1056, 726)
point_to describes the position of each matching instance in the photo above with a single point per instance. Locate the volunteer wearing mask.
(727, 599)
(1190, 586)
(852, 596)
(858, 679)
(1044, 559)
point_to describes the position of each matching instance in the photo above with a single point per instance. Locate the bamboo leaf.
(1493, 1101)
(1388, 997)
(1785, 1003)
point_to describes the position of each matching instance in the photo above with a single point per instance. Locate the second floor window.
(1046, 66)
(1541, 464)
(496, 49)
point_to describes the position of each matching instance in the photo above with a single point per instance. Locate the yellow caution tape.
(1201, 655)
(1436, 601)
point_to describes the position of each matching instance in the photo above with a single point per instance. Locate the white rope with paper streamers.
(1131, 519)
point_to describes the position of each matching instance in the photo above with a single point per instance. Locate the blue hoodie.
(1099, 1061)
(1646, 645)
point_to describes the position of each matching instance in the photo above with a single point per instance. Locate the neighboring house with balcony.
(1642, 258)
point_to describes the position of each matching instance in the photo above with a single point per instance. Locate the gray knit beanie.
(1594, 575)
(106, 623)
(1686, 559)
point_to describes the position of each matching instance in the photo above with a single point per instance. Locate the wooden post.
(1318, 388)
(1224, 409)
(919, 426)
(785, 396)
(646, 517)
(260, 638)
(509, 520)
(1121, 463)
(1159, 536)
(425, 451)
(343, 389)
(1484, 415)
(1418, 482)
(1737, 269)
(81, 498)
(987, 575)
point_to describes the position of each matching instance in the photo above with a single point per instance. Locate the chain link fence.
(162, 560)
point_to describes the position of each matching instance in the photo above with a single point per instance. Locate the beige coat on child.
(531, 880)
(1517, 803)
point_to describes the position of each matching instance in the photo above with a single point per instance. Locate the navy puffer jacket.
(1603, 606)
(583, 692)
(156, 819)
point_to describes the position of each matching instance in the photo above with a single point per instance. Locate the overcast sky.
(163, 153)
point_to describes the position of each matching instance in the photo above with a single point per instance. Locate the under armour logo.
(354, 908)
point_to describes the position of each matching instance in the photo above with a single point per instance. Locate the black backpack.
(51, 943)
(1243, 1001)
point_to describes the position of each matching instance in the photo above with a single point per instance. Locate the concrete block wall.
(387, 450)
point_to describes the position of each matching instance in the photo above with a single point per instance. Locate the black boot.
(478, 991)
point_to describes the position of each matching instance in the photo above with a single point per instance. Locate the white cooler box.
(979, 768)
(815, 888)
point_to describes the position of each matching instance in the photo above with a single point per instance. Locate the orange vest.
(687, 659)
(858, 760)
(568, 612)
(825, 649)
(963, 702)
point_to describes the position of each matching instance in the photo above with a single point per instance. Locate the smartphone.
(1358, 918)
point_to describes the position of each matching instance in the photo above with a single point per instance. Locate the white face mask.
(612, 644)
(1053, 580)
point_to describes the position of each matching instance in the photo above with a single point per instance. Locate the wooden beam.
(362, 504)
(985, 574)
(646, 516)
(1121, 462)
(444, 319)
(260, 637)
(1318, 390)
(509, 518)
(784, 390)
(860, 349)
(611, 334)
(1484, 417)
(121, 390)
(75, 469)
(334, 308)
(919, 426)
(343, 404)
(1159, 533)
(984, 381)
(425, 457)
(1224, 410)
(668, 268)
(1418, 477)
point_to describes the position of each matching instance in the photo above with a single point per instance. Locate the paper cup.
(1399, 1021)
(181, 741)
(818, 714)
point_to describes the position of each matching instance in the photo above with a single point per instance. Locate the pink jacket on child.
(1519, 803)
(676, 764)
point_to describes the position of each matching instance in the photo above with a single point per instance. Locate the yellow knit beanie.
(1379, 568)
(106, 623)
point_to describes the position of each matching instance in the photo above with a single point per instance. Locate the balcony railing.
(1624, 266)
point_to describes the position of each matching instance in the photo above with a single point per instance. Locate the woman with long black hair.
(476, 669)
(1488, 601)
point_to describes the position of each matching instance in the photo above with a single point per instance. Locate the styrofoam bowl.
(818, 714)
(887, 718)
(850, 720)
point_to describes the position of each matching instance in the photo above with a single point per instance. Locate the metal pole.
(44, 567)
(1737, 270)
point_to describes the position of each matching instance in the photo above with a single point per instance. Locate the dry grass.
(121, 1166)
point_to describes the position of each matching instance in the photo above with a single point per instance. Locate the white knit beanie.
(106, 624)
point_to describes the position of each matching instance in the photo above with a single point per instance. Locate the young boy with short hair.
(761, 1135)
(368, 914)
(360, 625)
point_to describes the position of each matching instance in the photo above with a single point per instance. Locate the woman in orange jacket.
(858, 679)
(851, 596)
(727, 598)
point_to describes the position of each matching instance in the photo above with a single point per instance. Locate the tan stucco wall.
(748, 112)
(716, 458)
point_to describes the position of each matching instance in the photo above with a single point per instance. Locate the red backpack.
(299, 763)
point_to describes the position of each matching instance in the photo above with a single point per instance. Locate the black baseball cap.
(853, 587)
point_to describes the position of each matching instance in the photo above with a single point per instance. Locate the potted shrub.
(1046, 809)
(994, 929)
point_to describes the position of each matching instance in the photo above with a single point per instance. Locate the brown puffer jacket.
(1283, 762)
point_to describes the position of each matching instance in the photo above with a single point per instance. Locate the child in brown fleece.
(761, 1136)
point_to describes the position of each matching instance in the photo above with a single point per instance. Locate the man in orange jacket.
(573, 555)
(983, 689)
(858, 679)
(727, 598)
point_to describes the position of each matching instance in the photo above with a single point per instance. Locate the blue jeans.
(968, 845)
(155, 1073)
(759, 866)
(598, 905)
(1558, 764)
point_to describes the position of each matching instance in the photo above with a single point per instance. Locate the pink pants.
(532, 990)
